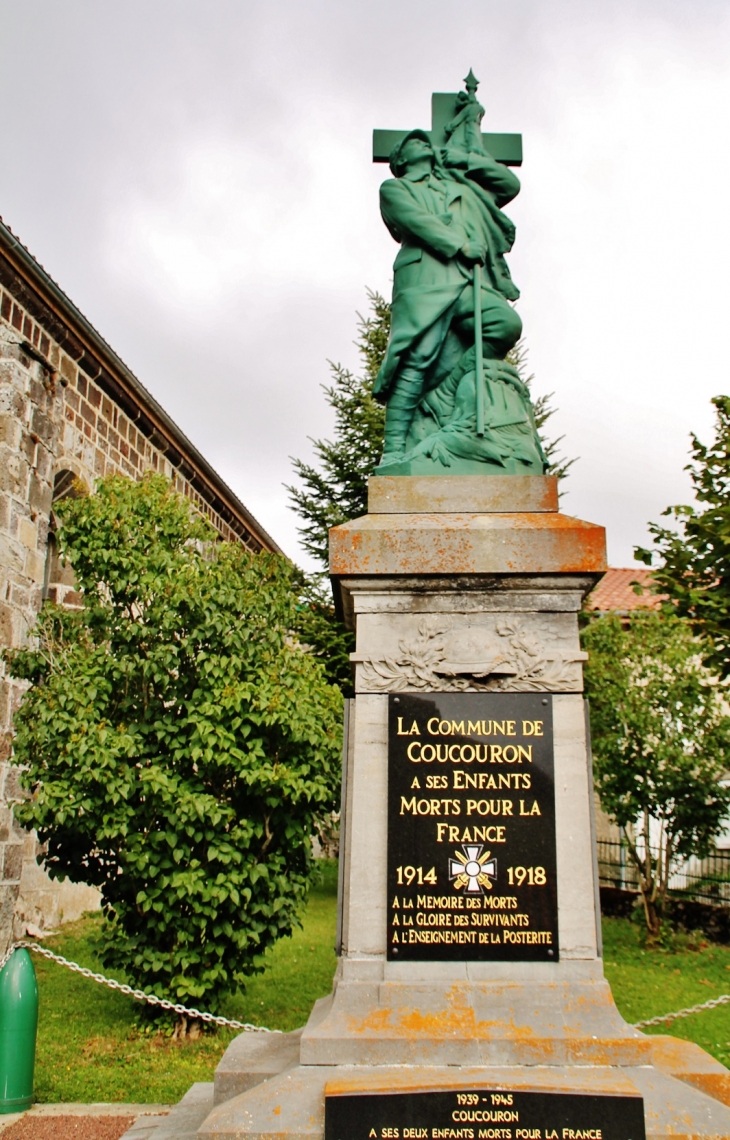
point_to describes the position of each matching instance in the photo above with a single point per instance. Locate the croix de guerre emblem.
(472, 870)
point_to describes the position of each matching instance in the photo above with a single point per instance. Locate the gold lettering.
(489, 807)
(472, 834)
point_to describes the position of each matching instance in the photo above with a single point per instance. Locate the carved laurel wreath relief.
(513, 659)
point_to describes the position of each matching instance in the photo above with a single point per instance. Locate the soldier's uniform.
(433, 293)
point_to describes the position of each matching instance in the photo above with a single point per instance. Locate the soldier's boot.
(399, 410)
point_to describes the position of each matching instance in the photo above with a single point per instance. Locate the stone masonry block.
(14, 476)
(13, 790)
(9, 431)
(12, 862)
(12, 556)
(88, 413)
(6, 821)
(20, 596)
(44, 463)
(38, 392)
(40, 495)
(7, 626)
(35, 566)
(28, 533)
(68, 369)
(8, 896)
(4, 711)
(43, 425)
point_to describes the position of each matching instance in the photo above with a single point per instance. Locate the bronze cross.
(505, 148)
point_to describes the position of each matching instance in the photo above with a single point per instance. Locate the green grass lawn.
(91, 1046)
(647, 983)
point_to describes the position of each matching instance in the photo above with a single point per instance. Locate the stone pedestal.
(464, 584)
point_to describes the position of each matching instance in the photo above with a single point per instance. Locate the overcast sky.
(196, 176)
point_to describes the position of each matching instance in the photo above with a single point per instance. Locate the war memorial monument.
(469, 1001)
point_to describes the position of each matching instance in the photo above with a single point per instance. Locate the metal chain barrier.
(712, 1004)
(152, 999)
(138, 995)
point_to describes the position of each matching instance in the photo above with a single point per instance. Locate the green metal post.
(18, 1025)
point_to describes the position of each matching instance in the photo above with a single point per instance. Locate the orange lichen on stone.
(604, 1080)
(519, 543)
(690, 1063)
(534, 1036)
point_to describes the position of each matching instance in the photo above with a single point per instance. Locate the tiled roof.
(615, 591)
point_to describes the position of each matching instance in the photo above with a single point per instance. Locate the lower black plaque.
(483, 1114)
(471, 828)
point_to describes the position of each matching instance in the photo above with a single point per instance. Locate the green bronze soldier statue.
(444, 208)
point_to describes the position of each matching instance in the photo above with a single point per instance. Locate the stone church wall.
(56, 424)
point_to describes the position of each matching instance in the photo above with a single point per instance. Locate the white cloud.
(216, 213)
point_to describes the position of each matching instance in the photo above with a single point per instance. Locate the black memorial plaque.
(471, 828)
(483, 1114)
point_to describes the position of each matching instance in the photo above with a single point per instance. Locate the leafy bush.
(178, 745)
(661, 741)
(691, 557)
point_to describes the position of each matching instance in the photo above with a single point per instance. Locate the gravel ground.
(33, 1127)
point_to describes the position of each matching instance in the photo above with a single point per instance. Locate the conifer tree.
(337, 489)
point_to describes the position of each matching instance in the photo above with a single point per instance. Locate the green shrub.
(178, 744)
